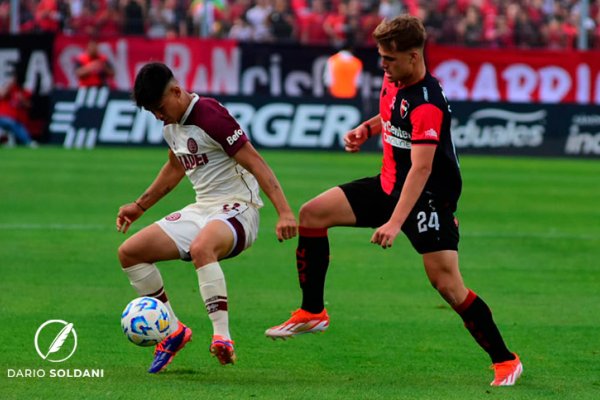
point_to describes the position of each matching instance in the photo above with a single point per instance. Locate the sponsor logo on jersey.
(396, 137)
(192, 146)
(233, 138)
(396, 132)
(191, 161)
(404, 108)
(431, 133)
(397, 142)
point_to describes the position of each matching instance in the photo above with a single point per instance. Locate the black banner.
(98, 116)
(297, 71)
(526, 129)
(90, 117)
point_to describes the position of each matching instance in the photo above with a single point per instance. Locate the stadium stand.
(550, 24)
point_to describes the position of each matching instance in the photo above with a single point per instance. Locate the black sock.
(478, 320)
(312, 260)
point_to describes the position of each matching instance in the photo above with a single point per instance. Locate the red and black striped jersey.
(418, 115)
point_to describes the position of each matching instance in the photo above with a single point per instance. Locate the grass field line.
(106, 227)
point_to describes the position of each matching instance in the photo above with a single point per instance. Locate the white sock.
(214, 293)
(146, 280)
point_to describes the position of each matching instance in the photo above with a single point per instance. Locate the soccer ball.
(145, 321)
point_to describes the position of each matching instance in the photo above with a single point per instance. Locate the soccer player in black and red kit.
(416, 192)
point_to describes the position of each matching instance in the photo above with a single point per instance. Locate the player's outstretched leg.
(301, 322)
(506, 373)
(223, 349)
(168, 348)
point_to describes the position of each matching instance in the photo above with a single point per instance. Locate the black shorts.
(429, 226)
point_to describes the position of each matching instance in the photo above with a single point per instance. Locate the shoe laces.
(162, 346)
(297, 312)
(222, 340)
(306, 314)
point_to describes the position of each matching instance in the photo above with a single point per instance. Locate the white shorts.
(184, 225)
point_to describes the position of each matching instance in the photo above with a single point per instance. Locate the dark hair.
(150, 85)
(402, 33)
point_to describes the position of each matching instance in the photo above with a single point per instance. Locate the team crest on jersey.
(404, 108)
(192, 146)
(173, 217)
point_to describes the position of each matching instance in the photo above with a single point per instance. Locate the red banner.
(517, 76)
(205, 66)
(218, 67)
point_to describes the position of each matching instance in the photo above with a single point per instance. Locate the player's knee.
(450, 291)
(196, 252)
(440, 282)
(201, 254)
(126, 257)
(309, 214)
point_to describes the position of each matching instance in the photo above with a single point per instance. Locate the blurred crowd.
(550, 24)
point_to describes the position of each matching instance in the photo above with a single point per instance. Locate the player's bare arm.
(355, 138)
(169, 176)
(422, 161)
(250, 159)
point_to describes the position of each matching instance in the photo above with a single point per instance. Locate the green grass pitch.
(530, 246)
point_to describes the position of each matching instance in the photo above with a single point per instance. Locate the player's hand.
(287, 227)
(385, 234)
(355, 138)
(128, 213)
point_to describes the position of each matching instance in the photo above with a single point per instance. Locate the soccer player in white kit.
(207, 144)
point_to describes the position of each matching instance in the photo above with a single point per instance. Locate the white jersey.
(204, 142)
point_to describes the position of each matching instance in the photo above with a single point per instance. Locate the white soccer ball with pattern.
(145, 321)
